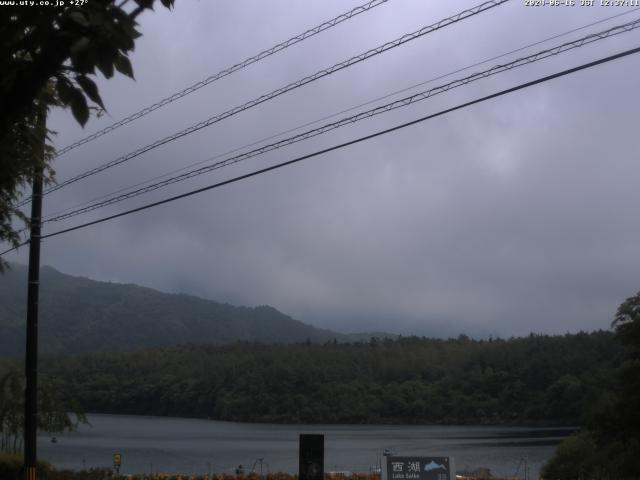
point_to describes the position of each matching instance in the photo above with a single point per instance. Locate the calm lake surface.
(178, 445)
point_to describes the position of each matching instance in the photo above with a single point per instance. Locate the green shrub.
(11, 467)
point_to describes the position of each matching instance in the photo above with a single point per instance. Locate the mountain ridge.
(80, 315)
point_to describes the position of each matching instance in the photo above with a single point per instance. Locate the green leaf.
(105, 66)
(64, 87)
(83, 56)
(73, 97)
(145, 3)
(83, 62)
(123, 65)
(79, 18)
(121, 40)
(80, 109)
(90, 88)
(70, 96)
(81, 45)
(96, 18)
(128, 27)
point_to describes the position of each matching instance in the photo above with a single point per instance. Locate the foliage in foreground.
(609, 447)
(11, 465)
(49, 57)
(53, 411)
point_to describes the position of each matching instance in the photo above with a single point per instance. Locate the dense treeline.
(537, 379)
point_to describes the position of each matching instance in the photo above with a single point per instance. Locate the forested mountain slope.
(82, 315)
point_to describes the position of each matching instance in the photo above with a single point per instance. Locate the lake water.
(179, 445)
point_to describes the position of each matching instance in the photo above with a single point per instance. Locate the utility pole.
(31, 354)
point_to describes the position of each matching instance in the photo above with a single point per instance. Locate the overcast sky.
(516, 215)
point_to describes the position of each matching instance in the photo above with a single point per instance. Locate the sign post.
(419, 468)
(311, 457)
(117, 462)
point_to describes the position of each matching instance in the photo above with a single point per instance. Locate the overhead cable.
(287, 88)
(327, 117)
(343, 145)
(417, 97)
(227, 71)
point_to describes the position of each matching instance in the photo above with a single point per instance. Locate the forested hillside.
(82, 315)
(537, 379)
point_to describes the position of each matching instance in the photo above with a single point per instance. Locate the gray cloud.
(513, 216)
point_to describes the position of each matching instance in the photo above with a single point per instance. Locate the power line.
(327, 117)
(346, 144)
(227, 71)
(424, 95)
(352, 142)
(291, 86)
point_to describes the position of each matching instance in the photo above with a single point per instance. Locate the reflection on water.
(198, 446)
